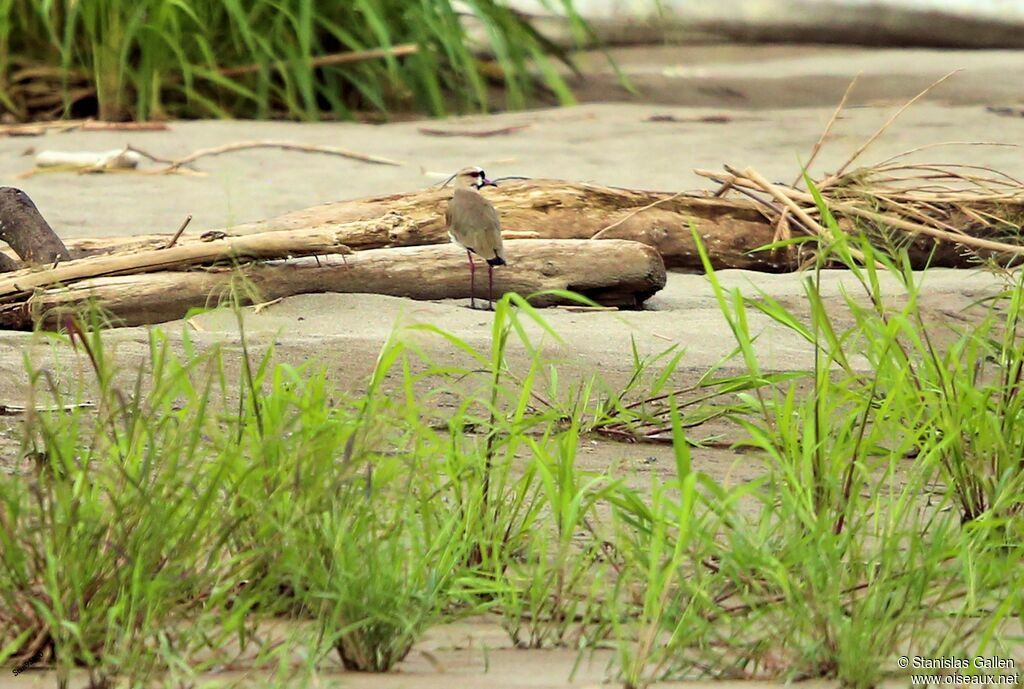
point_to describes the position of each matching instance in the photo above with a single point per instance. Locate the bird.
(474, 225)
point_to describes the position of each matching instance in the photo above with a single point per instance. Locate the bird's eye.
(478, 173)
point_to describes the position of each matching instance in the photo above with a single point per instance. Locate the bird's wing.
(483, 212)
(485, 233)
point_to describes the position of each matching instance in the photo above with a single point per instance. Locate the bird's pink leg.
(490, 287)
(472, 280)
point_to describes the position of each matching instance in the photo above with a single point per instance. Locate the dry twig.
(478, 134)
(881, 130)
(174, 239)
(604, 230)
(285, 145)
(828, 130)
(344, 58)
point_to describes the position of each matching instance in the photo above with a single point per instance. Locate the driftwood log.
(613, 273)
(732, 229)
(542, 209)
(25, 230)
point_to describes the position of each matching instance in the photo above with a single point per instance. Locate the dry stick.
(965, 240)
(722, 190)
(779, 212)
(40, 126)
(174, 239)
(856, 154)
(597, 235)
(782, 232)
(26, 231)
(799, 212)
(764, 185)
(975, 216)
(91, 125)
(550, 208)
(985, 217)
(475, 134)
(923, 217)
(781, 223)
(150, 156)
(828, 130)
(333, 59)
(286, 145)
(277, 244)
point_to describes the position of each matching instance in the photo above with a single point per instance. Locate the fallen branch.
(285, 145)
(128, 158)
(25, 230)
(101, 126)
(612, 273)
(700, 119)
(180, 230)
(39, 128)
(121, 158)
(267, 245)
(478, 134)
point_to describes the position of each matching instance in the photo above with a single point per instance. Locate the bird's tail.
(496, 261)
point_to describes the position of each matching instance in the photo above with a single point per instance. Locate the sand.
(785, 96)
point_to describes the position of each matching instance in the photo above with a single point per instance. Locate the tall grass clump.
(302, 59)
(850, 559)
(118, 538)
(886, 521)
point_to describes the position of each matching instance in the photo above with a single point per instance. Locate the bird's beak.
(488, 183)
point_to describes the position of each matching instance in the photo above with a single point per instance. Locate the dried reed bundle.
(958, 208)
(948, 208)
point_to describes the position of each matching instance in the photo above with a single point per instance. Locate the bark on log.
(612, 273)
(23, 228)
(548, 209)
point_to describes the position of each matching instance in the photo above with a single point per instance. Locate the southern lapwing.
(474, 225)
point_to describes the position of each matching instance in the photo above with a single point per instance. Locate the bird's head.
(472, 177)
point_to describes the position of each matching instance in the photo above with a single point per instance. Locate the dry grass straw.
(976, 207)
